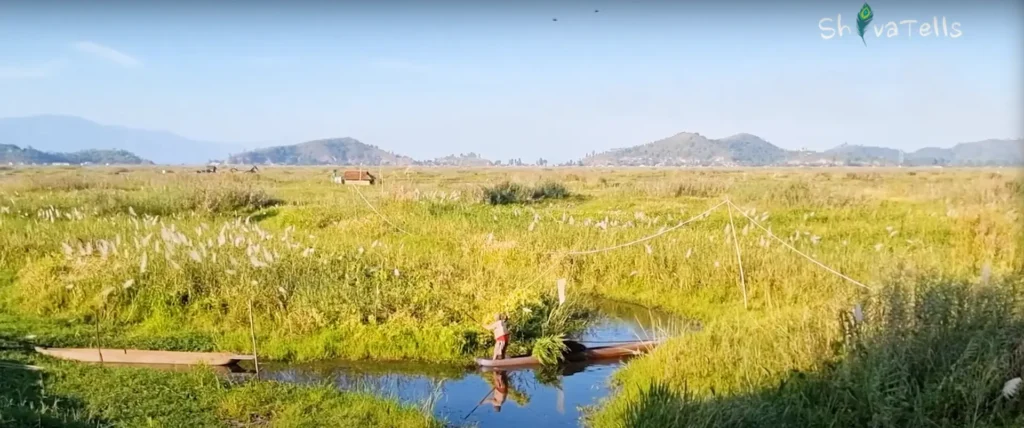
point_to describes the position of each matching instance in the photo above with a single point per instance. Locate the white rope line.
(378, 212)
(647, 238)
(739, 261)
(783, 242)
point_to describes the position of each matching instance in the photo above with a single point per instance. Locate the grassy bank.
(81, 395)
(411, 268)
(923, 353)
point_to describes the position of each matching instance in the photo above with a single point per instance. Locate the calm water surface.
(465, 396)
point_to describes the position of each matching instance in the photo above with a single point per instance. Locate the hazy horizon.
(506, 81)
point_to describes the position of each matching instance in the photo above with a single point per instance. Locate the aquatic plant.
(550, 350)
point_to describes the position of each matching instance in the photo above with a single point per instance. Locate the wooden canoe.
(135, 356)
(596, 353)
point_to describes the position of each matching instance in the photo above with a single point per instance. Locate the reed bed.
(409, 269)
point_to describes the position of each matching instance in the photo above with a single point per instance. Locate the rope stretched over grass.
(739, 260)
(378, 212)
(786, 244)
(647, 238)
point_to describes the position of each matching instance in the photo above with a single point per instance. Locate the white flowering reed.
(1011, 387)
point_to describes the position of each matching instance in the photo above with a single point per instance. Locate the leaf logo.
(864, 18)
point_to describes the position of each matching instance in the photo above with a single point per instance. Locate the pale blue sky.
(506, 81)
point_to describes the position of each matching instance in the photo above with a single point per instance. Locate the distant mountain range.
(335, 151)
(59, 139)
(694, 149)
(16, 155)
(52, 133)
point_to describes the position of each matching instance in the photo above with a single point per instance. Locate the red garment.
(502, 338)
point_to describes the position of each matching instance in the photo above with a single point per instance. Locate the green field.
(411, 268)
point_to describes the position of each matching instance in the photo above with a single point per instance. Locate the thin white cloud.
(108, 53)
(38, 71)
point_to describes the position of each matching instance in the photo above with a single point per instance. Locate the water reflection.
(500, 389)
(544, 396)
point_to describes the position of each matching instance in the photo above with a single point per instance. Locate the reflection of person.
(500, 336)
(500, 389)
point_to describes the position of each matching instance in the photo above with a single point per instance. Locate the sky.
(505, 80)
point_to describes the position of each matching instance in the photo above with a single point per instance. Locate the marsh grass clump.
(698, 189)
(926, 352)
(547, 318)
(229, 198)
(506, 192)
(549, 190)
(550, 350)
(1015, 187)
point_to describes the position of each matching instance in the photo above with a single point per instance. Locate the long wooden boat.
(135, 356)
(596, 353)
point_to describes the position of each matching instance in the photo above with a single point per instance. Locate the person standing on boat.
(500, 336)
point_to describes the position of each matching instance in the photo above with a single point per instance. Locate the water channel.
(464, 396)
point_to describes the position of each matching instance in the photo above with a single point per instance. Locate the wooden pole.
(481, 402)
(739, 261)
(252, 332)
(99, 343)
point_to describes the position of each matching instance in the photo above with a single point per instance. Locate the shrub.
(513, 193)
(550, 190)
(505, 193)
(217, 199)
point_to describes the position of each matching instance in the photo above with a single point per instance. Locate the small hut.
(356, 177)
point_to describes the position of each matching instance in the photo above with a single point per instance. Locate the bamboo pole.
(481, 402)
(739, 260)
(99, 343)
(252, 332)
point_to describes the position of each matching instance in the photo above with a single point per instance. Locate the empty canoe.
(596, 353)
(135, 356)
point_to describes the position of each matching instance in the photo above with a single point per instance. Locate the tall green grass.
(921, 353)
(80, 395)
(329, 277)
(514, 193)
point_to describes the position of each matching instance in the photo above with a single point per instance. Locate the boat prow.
(135, 356)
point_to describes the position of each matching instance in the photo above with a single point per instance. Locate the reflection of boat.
(135, 356)
(596, 353)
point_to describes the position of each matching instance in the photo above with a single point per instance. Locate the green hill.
(750, 149)
(688, 148)
(334, 151)
(10, 153)
(853, 154)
